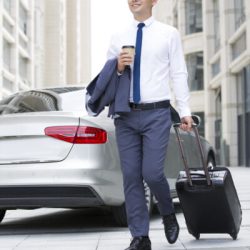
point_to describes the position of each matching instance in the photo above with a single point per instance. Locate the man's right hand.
(186, 123)
(124, 59)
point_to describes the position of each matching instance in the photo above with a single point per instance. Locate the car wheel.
(120, 214)
(2, 214)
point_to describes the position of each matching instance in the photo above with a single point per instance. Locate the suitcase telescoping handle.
(196, 123)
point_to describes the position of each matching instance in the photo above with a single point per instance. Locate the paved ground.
(94, 229)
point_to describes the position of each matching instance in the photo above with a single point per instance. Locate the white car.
(53, 154)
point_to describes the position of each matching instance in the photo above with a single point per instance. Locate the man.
(142, 134)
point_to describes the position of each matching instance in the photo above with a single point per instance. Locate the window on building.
(216, 25)
(193, 16)
(239, 46)
(243, 101)
(195, 71)
(23, 68)
(7, 84)
(239, 13)
(8, 26)
(24, 44)
(7, 54)
(8, 6)
(216, 68)
(23, 19)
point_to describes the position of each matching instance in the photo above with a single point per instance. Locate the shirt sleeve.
(112, 50)
(178, 75)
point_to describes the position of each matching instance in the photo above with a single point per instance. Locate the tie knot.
(140, 25)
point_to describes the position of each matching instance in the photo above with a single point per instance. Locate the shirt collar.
(147, 22)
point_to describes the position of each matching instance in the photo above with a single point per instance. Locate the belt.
(148, 106)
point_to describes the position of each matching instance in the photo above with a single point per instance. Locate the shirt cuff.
(184, 111)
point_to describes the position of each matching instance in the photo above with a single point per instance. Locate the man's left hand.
(186, 123)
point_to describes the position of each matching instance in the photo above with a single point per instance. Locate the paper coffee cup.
(130, 49)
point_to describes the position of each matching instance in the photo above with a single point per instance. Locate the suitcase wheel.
(234, 236)
(196, 236)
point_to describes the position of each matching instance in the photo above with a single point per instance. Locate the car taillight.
(77, 134)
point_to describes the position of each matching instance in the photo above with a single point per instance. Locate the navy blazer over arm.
(109, 89)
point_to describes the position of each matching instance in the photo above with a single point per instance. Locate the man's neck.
(142, 18)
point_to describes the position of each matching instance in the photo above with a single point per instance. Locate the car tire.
(119, 212)
(2, 214)
(120, 215)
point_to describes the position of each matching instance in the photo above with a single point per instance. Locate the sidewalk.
(44, 229)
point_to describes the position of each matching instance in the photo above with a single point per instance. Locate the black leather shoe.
(171, 227)
(140, 243)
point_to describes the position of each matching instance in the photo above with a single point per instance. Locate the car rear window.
(43, 100)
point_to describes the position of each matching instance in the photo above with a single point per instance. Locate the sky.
(107, 16)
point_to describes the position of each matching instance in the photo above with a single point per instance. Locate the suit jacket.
(109, 89)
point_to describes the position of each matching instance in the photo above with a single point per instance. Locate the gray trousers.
(142, 138)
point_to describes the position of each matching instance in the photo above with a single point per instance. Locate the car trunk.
(23, 139)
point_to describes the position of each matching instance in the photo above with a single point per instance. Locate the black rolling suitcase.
(208, 197)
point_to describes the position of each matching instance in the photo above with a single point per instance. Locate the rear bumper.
(61, 184)
(12, 197)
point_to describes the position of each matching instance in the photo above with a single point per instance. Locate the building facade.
(216, 44)
(43, 43)
(17, 46)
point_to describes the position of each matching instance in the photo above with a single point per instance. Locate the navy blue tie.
(137, 64)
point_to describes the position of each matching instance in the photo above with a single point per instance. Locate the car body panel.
(22, 138)
(37, 170)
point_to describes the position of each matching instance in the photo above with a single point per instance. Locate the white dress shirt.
(162, 62)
